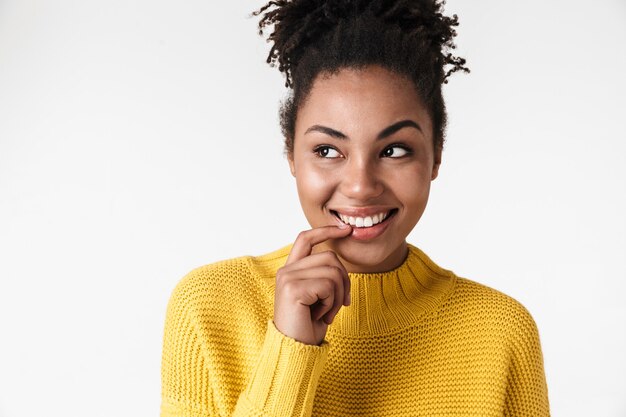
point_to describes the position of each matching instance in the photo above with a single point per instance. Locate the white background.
(139, 139)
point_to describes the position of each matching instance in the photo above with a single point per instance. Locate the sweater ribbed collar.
(381, 302)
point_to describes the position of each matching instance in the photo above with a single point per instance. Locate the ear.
(292, 165)
(436, 164)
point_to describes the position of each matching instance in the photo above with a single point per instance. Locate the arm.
(310, 289)
(282, 383)
(285, 379)
(527, 391)
(185, 386)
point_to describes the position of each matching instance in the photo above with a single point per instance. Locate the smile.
(366, 221)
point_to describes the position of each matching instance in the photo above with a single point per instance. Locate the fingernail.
(342, 225)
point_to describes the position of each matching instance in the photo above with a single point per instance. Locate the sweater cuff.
(286, 377)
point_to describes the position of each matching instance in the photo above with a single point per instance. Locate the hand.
(311, 288)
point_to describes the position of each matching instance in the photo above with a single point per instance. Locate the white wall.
(139, 139)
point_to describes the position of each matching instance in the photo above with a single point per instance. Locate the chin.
(365, 256)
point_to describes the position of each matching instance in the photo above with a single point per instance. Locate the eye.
(325, 151)
(396, 151)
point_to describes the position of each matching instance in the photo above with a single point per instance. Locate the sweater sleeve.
(527, 392)
(285, 378)
(185, 386)
(282, 380)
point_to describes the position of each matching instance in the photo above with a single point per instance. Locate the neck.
(360, 261)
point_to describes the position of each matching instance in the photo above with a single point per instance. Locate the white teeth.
(368, 221)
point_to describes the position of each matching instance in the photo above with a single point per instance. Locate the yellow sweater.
(415, 341)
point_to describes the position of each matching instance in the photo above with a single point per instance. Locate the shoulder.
(212, 277)
(489, 300)
(486, 295)
(203, 286)
(246, 279)
(474, 307)
(492, 307)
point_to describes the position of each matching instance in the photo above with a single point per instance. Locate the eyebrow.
(388, 131)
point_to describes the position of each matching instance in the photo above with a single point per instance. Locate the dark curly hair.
(409, 37)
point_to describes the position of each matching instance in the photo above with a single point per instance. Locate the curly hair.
(409, 37)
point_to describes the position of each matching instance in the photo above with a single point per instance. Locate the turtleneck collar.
(384, 302)
(381, 302)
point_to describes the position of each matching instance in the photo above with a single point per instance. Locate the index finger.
(303, 246)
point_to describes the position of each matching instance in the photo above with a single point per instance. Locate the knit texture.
(415, 341)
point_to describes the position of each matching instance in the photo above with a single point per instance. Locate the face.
(363, 154)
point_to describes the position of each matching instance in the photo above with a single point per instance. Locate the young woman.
(350, 319)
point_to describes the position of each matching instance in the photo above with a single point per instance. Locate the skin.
(341, 163)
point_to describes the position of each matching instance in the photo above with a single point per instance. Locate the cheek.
(315, 186)
(412, 189)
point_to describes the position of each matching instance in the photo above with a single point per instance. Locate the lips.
(360, 230)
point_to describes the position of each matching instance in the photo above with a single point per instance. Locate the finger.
(320, 310)
(306, 240)
(310, 275)
(328, 257)
(323, 258)
(319, 295)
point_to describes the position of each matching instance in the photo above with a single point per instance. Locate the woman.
(350, 319)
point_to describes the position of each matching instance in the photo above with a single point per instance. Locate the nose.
(361, 180)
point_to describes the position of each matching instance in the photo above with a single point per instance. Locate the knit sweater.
(415, 341)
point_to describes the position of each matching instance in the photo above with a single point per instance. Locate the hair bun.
(299, 23)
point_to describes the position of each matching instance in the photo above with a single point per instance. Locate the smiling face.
(363, 154)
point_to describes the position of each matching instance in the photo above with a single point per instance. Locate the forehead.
(361, 101)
